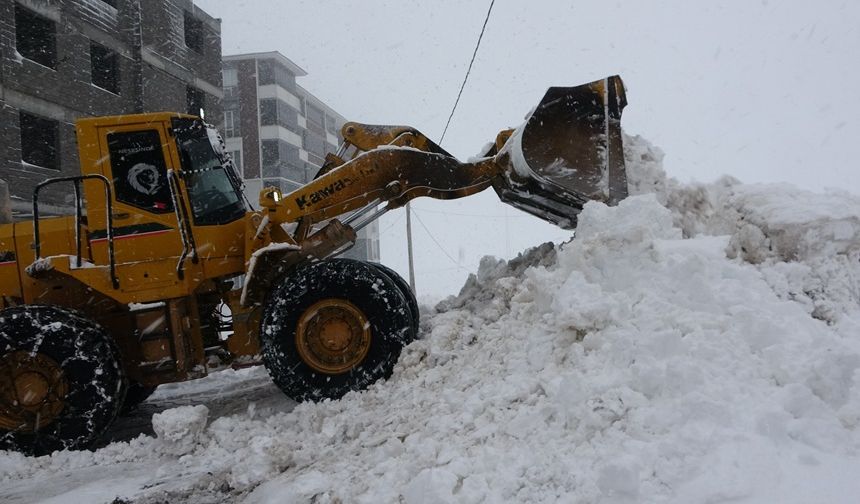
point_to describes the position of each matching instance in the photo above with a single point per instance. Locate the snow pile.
(664, 371)
(697, 343)
(179, 429)
(806, 244)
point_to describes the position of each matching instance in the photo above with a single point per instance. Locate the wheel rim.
(33, 389)
(333, 336)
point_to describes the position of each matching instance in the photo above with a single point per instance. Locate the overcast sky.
(765, 91)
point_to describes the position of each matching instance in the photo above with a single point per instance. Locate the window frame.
(40, 125)
(112, 69)
(26, 38)
(120, 192)
(193, 32)
(189, 135)
(230, 129)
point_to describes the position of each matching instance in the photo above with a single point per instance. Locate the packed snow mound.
(696, 343)
(179, 429)
(808, 244)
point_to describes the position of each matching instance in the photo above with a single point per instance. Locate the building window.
(40, 141)
(231, 125)
(330, 124)
(230, 77)
(315, 119)
(280, 113)
(35, 37)
(315, 144)
(195, 101)
(296, 173)
(270, 157)
(105, 67)
(230, 81)
(193, 33)
(272, 72)
(281, 159)
(268, 112)
(317, 161)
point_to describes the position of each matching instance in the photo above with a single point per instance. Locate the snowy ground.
(695, 344)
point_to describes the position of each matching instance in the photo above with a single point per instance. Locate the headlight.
(270, 197)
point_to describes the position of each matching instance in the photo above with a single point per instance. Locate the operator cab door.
(147, 242)
(217, 208)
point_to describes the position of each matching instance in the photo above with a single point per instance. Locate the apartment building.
(278, 132)
(65, 59)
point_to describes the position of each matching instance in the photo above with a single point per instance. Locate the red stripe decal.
(135, 235)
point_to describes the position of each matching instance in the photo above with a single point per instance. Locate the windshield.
(213, 188)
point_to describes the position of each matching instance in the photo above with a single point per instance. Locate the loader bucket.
(567, 152)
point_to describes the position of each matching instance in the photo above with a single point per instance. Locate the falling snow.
(696, 343)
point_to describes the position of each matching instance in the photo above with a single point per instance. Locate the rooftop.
(275, 55)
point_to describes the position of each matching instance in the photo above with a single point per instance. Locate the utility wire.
(454, 261)
(448, 123)
(482, 216)
(475, 53)
(397, 220)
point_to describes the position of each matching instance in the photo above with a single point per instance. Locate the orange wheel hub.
(33, 389)
(333, 336)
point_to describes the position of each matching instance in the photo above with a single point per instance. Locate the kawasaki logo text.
(317, 196)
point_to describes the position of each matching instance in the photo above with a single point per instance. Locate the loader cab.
(143, 157)
(213, 187)
(177, 205)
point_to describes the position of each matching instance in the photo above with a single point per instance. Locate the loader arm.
(566, 153)
(390, 175)
(367, 137)
(359, 138)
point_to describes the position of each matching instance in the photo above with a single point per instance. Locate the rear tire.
(61, 384)
(332, 327)
(406, 290)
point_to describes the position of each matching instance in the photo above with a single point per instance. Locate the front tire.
(406, 290)
(61, 384)
(332, 327)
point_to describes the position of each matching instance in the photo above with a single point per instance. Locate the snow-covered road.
(697, 343)
(245, 392)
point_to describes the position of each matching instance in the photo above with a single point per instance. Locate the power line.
(399, 216)
(454, 261)
(448, 123)
(475, 53)
(482, 216)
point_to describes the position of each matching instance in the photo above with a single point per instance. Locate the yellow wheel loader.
(164, 263)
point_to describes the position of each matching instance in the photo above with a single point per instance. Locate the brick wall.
(248, 122)
(155, 68)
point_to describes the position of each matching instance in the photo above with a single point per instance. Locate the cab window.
(209, 177)
(139, 171)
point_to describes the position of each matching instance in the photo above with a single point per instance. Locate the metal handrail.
(76, 180)
(188, 245)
